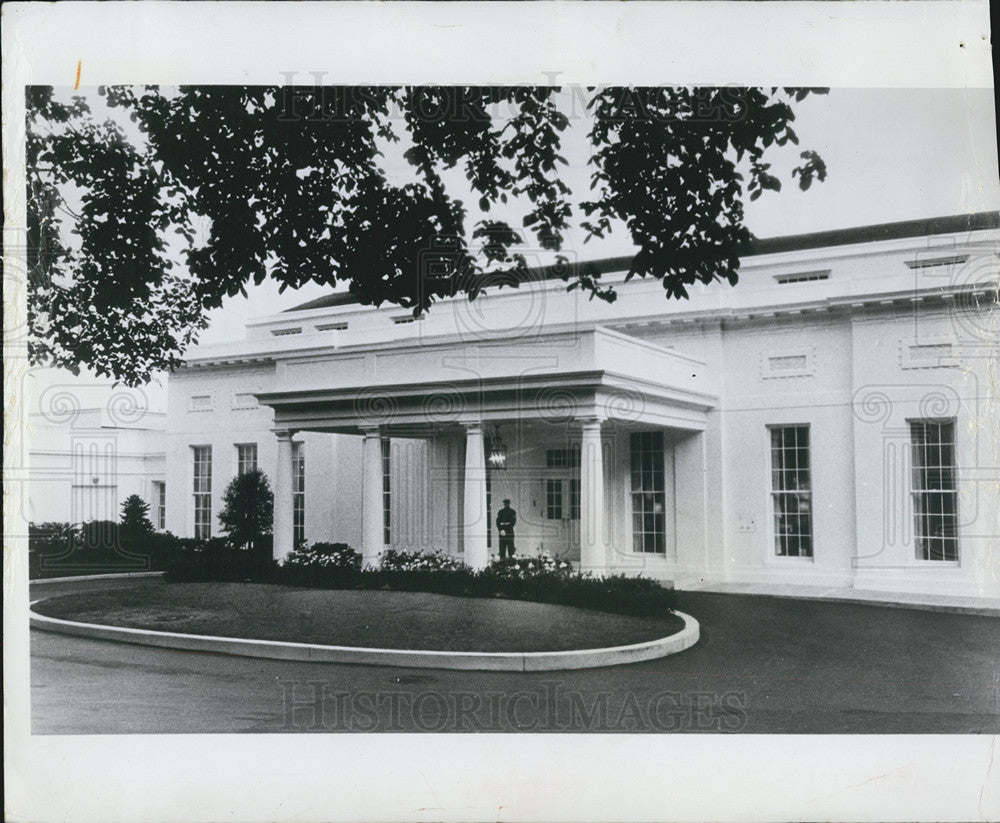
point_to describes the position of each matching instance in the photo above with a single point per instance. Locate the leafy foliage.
(225, 186)
(402, 561)
(338, 566)
(529, 566)
(338, 555)
(217, 560)
(247, 508)
(135, 523)
(96, 547)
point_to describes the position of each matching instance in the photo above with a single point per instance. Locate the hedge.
(338, 566)
(57, 549)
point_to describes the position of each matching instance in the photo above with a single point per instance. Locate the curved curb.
(410, 658)
(82, 578)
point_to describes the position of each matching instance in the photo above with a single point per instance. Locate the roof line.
(899, 230)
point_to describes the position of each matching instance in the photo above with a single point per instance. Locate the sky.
(891, 154)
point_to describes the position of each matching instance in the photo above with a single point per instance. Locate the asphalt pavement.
(763, 665)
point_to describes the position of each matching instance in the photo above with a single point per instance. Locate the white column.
(373, 524)
(283, 529)
(593, 552)
(693, 529)
(475, 527)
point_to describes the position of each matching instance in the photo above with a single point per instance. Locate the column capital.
(472, 425)
(371, 431)
(284, 434)
(590, 422)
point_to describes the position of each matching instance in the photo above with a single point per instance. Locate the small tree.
(248, 508)
(135, 523)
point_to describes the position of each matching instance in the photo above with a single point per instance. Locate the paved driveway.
(763, 665)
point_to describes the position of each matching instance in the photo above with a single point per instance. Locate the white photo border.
(469, 777)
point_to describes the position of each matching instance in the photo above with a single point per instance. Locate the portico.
(566, 404)
(767, 434)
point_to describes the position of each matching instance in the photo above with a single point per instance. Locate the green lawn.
(372, 619)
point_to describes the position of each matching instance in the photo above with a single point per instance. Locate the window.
(933, 489)
(783, 364)
(928, 353)
(244, 400)
(649, 529)
(574, 499)
(562, 458)
(553, 500)
(202, 492)
(489, 510)
(792, 362)
(803, 276)
(298, 492)
(331, 326)
(556, 504)
(791, 495)
(246, 458)
(159, 505)
(201, 402)
(933, 262)
(286, 332)
(386, 494)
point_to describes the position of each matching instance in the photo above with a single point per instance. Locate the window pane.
(298, 493)
(386, 492)
(790, 491)
(553, 500)
(933, 489)
(202, 489)
(648, 492)
(246, 457)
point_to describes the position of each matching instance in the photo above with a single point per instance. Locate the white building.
(831, 420)
(91, 446)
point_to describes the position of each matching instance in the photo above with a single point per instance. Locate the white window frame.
(386, 450)
(298, 493)
(937, 352)
(243, 465)
(774, 536)
(243, 401)
(648, 495)
(160, 504)
(201, 403)
(202, 492)
(915, 473)
(771, 370)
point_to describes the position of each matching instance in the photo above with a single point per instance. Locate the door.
(562, 515)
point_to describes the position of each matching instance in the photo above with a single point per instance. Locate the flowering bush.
(541, 579)
(420, 572)
(530, 566)
(397, 561)
(324, 556)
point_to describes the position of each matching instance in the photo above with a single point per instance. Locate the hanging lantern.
(496, 453)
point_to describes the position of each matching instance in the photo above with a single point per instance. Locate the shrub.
(217, 560)
(99, 546)
(323, 565)
(326, 554)
(397, 561)
(419, 571)
(338, 566)
(527, 566)
(99, 536)
(135, 524)
(248, 508)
